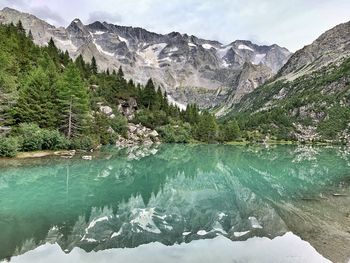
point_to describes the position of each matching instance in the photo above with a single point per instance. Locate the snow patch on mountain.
(225, 64)
(173, 49)
(150, 54)
(207, 46)
(258, 58)
(223, 51)
(124, 40)
(98, 33)
(66, 45)
(100, 49)
(245, 47)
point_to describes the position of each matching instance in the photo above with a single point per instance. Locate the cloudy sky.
(292, 23)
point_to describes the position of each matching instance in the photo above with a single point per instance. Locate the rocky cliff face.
(329, 48)
(310, 98)
(190, 69)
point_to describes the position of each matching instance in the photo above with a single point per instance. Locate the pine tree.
(165, 103)
(8, 96)
(73, 102)
(231, 131)
(30, 35)
(82, 67)
(93, 66)
(52, 46)
(148, 95)
(65, 58)
(37, 99)
(120, 72)
(157, 104)
(53, 51)
(20, 28)
(207, 129)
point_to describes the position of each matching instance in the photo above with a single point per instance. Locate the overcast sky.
(292, 23)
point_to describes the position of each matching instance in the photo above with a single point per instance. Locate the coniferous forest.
(50, 102)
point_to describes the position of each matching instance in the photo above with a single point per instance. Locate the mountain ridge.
(189, 69)
(309, 98)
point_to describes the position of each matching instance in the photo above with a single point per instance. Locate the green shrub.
(83, 143)
(207, 129)
(229, 131)
(145, 117)
(31, 137)
(151, 119)
(176, 133)
(53, 140)
(8, 146)
(120, 125)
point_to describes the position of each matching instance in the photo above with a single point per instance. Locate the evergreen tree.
(157, 104)
(230, 131)
(52, 46)
(206, 130)
(53, 51)
(148, 95)
(20, 28)
(93, 66)
(120, 72)
(165, 103)
(8, 96)
(30, 35)
(65, 58)
(37, 99)
(191, 114)
(73, 102)
(82, 67)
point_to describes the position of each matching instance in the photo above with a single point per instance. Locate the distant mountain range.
(309, 98)
(213, 75)
(190, 69)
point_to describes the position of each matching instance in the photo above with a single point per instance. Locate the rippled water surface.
(176, 195)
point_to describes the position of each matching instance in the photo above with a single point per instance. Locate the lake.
(178, 203)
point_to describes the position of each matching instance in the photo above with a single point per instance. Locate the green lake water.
(177, 196)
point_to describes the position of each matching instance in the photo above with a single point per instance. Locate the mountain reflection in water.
(177, 194)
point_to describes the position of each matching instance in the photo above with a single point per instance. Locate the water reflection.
(175, 194)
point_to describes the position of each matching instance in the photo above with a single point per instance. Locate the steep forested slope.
(312, 107)
(48, 102)
(309, 99)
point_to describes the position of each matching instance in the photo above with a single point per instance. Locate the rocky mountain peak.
(98, 26)
(76, 22)
(190, 69)
(330, 47)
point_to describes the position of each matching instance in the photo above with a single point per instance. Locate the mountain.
(330, 48)
(309, 99)
(190, 69)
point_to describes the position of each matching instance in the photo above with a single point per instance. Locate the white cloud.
(288, 23)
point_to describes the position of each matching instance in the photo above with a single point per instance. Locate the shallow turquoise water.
(172, 194)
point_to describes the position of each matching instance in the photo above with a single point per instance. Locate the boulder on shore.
(138, 135)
